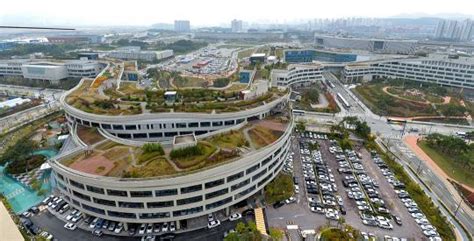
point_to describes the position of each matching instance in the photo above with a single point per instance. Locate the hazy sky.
(206, 12)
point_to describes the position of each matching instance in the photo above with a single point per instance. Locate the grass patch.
(261, 136)
(383, 104)
(230, 140)
(99, 169)
(155, 167)
(89, 135)
(449, 165)
(185, 162)
(245, 53)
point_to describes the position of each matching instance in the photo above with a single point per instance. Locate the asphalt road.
(390, 132)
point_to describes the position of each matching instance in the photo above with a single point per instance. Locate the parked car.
(70, 226)
(235, 216)
(97, 232)
(213, 224)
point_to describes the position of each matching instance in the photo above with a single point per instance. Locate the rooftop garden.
(152, 160)
(128, 98)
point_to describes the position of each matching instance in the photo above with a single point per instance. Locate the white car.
(76, 218)
(72, 214)
(172, 227)
(427, 227)
(422, 221)
(430, 233)
(290, 200)
(70, 226)
(142, 229)
(164, 228)
(46, 235)
(118, 228)
(235, 216)
(213, 224)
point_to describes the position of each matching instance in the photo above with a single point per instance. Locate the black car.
(278, 205)
(343, 210)
(398, 220)
(168, 237)
(34, 210)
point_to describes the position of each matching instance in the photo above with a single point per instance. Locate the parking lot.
(54, 217)
(330, 183)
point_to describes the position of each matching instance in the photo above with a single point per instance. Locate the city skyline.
(53, 12)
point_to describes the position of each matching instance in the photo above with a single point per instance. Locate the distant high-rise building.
(440, 29)
(182, 26)
(467, 30)
(236, 26)
(455, 30)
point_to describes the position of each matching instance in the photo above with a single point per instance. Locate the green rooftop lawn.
(152, 168)
(230, 140)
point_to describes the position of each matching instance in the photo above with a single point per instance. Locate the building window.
(166, 192)
(180, 125)
(258, 175)
(105, 202)
(193, 124)
(117, 127)
(235, 176)
(247, 191)
(185, 201)
(93, 209)
(156, 134)
(239, 185)
(76, 184)
(119, 193)
(160, 204)
(141, 194)
(217, 123)
(217, 193)
(121, 214)
(214, 183)
(154, 215)
(252, 169)
(81, 196)
(188, 211)
(194, 188)
(205, 124)
(106, 126)
(171, 134)
(218, 203)
(131, 205)
(260, 183)
(95, 189)
(130, 127)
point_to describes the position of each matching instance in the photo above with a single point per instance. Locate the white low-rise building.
(50, 71)
(443, 71)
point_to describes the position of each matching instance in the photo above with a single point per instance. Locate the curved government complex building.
(443, 71)
(241, 141)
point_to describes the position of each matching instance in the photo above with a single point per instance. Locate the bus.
(343, 101)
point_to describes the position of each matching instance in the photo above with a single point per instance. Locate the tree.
(301, 126)
(312, 95)
(276, 234)
(281, 188)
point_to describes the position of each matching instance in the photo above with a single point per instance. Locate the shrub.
(186, 152)
(153, 147)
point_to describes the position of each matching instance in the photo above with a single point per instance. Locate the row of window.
(177, 213)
